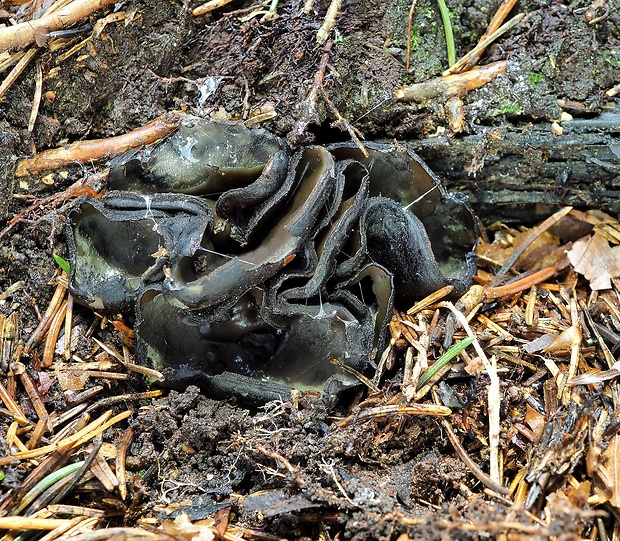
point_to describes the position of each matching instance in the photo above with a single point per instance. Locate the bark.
(520, 174)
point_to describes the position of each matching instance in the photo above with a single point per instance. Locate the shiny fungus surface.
(254, 270)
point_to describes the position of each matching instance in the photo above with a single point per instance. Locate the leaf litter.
(539, 438)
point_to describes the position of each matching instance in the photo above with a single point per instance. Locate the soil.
(371, 480)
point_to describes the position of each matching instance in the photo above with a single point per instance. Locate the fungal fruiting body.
(253, 270)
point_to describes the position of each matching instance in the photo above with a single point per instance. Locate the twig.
(330, 21)
(409, 25)
(25, 33)
(396, 409)
(527, 241)
(17, 70)
(121, 471)
(36, 101)
(493, 31)
(478, 473)
(81, 187)
(343, 122)
(99, 149)
(494, 397)
(209, 6)
(453, 85)
(26, 523)
(526, 282)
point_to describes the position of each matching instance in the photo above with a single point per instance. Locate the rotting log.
(522, 173)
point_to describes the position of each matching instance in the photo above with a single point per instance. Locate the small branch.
(342, 122)
(330, 21)
(82, 187)
(409, 25)
(17, 70)
(209, 6)
(100, 149)
(25, 33)
(535, 233)
(478, 473)
(493, 31)
(453, 85)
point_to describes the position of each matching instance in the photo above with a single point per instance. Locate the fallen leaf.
(596, 260)
(609, 471)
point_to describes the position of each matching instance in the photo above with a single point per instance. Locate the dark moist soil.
(369, 480)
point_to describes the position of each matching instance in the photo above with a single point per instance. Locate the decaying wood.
(523, 174)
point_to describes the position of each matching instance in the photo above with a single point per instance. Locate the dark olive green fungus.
(250, 269)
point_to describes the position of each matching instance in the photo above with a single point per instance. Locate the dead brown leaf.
(596, 260)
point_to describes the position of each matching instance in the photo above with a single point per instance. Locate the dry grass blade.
(25, 523)
(396, 409)
(494, 397)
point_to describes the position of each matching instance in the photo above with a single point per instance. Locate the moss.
(608, 57)
(536, 78)
(512, 108)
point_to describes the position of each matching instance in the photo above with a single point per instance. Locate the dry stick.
(396, 409)
(354, 133)
(52, 336)
(518, 251)
(47, 318)
(409, 25)
(526, 282)
(478, 473)
(453, 85)
(494, 31)
(330, 21)
(25, 33)
(24, 523)
(36, 101)
(121, 470)
(494, 398)
(81, 187)
(209, 6)
(100, 149)
(17, 70)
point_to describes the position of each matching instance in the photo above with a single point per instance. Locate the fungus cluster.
(253, 270)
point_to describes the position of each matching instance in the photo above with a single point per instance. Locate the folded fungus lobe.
(253, 270)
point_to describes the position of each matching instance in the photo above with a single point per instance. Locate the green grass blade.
(444, 360)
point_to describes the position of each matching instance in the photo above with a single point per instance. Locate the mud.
(371, 480)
